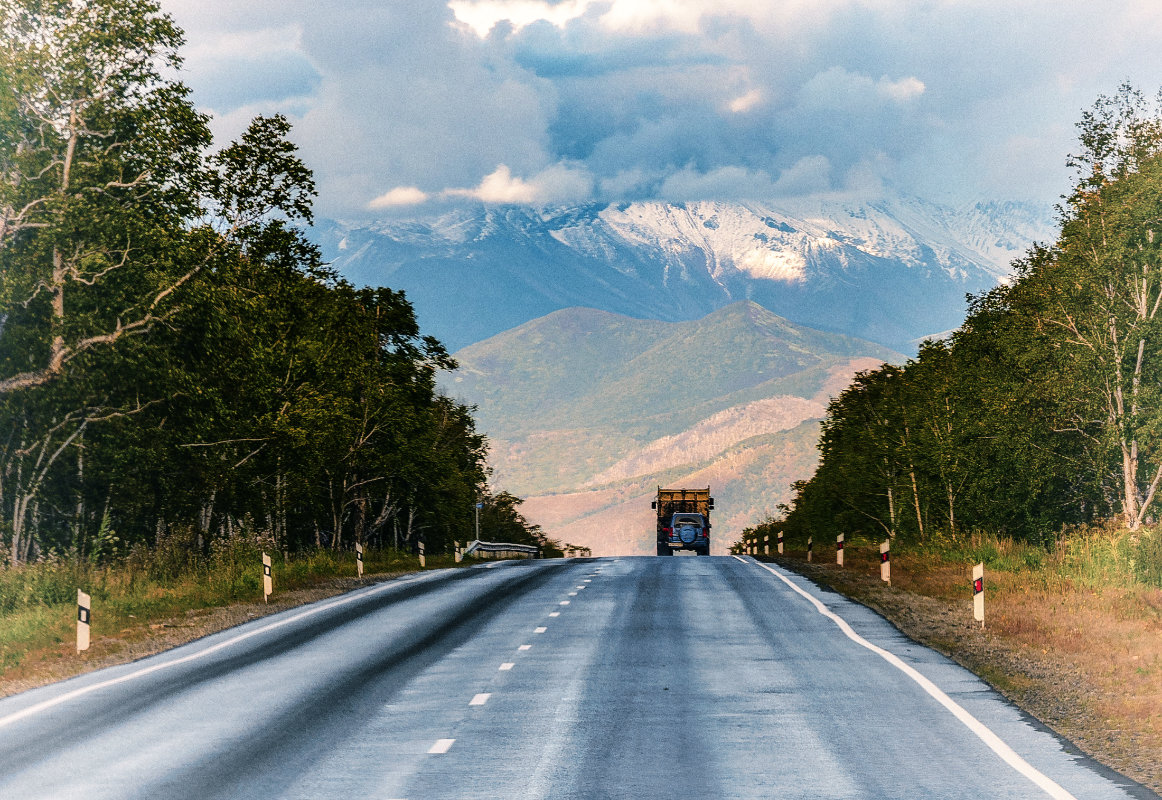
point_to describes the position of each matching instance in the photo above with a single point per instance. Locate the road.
(599, 678)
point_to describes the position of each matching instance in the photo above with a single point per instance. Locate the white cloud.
(746, 102)
(901, 90)
(837, 88)
(483, 15)
(723, 183)
(399, 196)
(557, 184)
(808, 175)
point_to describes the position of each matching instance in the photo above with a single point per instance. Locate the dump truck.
(683, 520)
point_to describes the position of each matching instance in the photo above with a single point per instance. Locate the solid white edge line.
(141, 673)
(985, 734)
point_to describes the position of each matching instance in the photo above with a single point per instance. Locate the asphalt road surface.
(598, 678)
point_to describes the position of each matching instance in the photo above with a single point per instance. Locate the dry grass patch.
(137, 613)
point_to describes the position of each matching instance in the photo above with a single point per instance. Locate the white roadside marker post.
(885, 562)
(978, 593)
(267, 579)
(839, 549)
(810, 544)
(84, 617)
(766, 545)
(780, 542)
(459, 553)
(358, 560)
(423, 561)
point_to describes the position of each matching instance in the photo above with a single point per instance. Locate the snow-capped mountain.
(890, 270)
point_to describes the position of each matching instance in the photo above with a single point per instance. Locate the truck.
(683, 520)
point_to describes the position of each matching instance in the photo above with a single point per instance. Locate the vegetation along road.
(557, 678)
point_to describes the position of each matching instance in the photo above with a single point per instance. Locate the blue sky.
(406, 106)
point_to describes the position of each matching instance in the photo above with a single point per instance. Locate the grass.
(1073, 630)
(147, 589)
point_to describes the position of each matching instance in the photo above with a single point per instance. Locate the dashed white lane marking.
(587, 580)
(983, 732)
(572, 594)
(554, 613)
(480, 699)
(441, 746)
(581, 587)
(525, 647)
(540, 630)
(564, 602)
(506, 666)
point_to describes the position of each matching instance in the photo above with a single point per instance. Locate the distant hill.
(589, 411)
(889, 270)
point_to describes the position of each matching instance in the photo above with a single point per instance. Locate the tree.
(1101, 289)
(99, 165)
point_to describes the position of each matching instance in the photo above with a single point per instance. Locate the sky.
(404, 107)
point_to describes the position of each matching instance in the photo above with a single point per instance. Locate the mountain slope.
(891, 271)
(588, 411)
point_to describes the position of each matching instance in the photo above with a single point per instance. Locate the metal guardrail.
(481, 549)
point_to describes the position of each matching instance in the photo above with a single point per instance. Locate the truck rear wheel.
(664, 550)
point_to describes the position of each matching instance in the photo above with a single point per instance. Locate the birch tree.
(1102, 290)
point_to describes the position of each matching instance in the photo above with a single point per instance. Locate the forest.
(1043, 412)
(177, 363)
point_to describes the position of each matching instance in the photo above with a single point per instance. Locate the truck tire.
(704, 551)
(664, 550)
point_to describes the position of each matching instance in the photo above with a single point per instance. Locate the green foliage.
(182, 380)
(1044, 411)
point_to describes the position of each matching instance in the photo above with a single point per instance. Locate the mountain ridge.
(890, 270)
(733, 398)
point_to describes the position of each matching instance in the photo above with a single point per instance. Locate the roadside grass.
(1073, 631)
(149, 591)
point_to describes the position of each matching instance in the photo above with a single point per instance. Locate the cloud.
(723, 183)
(838, 89)
(557, 184)
(608, 100)
(483, 15)
(746, 102)
(399, 196)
